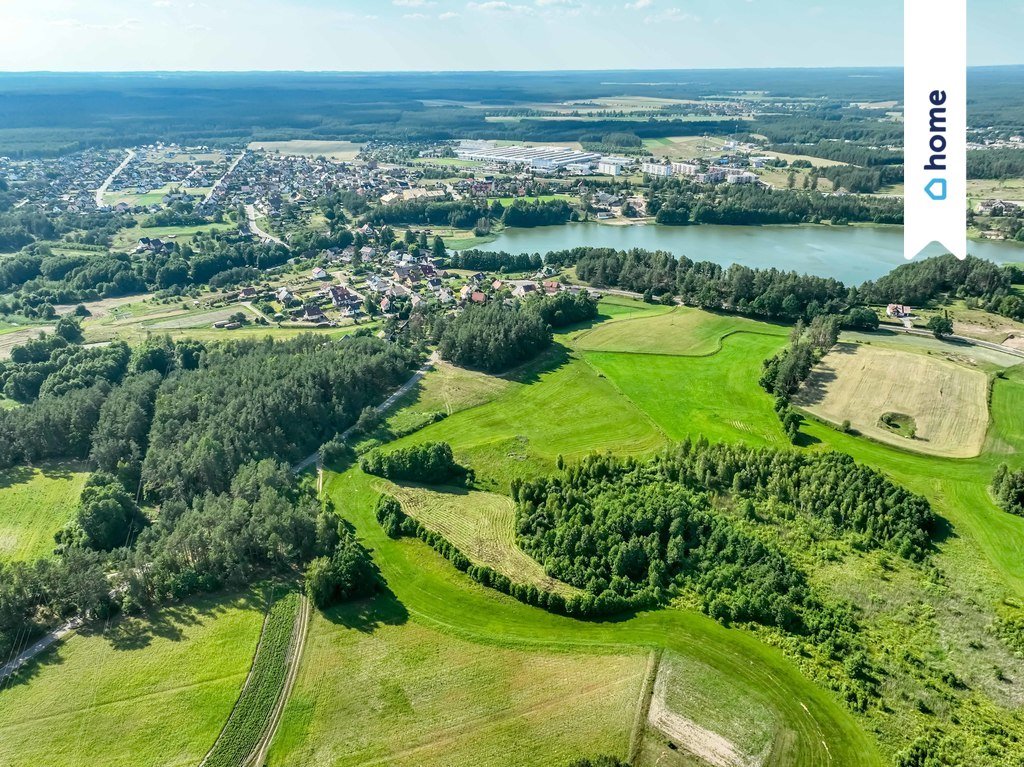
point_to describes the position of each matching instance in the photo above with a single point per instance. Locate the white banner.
(935, 125)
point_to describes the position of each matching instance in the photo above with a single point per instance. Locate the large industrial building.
(540, 158)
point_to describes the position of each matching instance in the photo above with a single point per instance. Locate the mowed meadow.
(36, 502)
(148, 691)
(639, 379)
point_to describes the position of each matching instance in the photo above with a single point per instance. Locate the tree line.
(976, 280)
(201, 432)
(680, 202)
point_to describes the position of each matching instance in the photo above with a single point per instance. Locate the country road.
(963, 340)
(110, 179)
(47, 640)
(381, 408)
(250, 214)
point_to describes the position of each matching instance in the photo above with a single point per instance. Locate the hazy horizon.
(458, 36)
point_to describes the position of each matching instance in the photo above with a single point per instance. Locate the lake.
(852, 254)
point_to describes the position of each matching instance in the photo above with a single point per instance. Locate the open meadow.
(481, 525)
(390, 714)
(377, 689)
(127, 239)
(36, 502)
(696, 375)
(158, 687)
(342, 151)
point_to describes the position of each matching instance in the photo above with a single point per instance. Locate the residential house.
(897, 311)
(311, 313)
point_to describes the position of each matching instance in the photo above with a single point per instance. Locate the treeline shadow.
(368, 615)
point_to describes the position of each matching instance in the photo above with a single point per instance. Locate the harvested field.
(860, 383)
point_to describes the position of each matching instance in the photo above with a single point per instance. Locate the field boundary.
(259, 755)
(643, 709)
(296, 644)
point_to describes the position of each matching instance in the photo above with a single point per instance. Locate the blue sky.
(474, 34)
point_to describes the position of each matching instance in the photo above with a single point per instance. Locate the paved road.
(963, 340)
(250, 213)
(228, 172)
(11, 667)
(381, 408)
(110, 179)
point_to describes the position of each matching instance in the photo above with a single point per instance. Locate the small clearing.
(35, 502)
(481, 526)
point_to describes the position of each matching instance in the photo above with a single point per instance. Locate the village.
(353, 285)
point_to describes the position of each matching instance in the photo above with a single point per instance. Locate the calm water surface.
(852, 254)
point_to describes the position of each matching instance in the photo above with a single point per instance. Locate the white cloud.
(414, 16)
(499, 6)
(671, 14)
(162, 3)
(120, 26)
(638, 4)
(448, 16)
(413, 3)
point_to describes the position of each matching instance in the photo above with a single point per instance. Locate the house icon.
(936, 189)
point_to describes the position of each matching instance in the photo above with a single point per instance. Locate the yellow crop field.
(860, 384)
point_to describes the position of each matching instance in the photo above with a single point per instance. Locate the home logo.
(935, 126)
(936, 189)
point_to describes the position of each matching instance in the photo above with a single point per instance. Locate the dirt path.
(643, 708)
(259, 754)
(706, 745)
(46, 641)
(381, 408)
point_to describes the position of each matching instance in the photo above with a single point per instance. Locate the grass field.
(376, 689)
(716, 395)
(144, 693)
(673, 331)
(328, 710)
(685, 147)
(480, 525)
(506, 201)
(36, 502)
(859, 383)
(152, 197)
(998, 189)
(529, 425)
(446, 389)
(128, 239)
(342, 151)
(696, 709)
